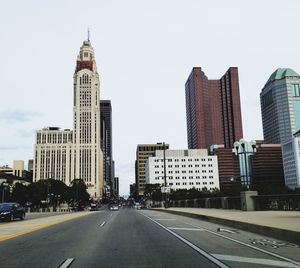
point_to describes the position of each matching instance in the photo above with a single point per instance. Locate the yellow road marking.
(39, 226)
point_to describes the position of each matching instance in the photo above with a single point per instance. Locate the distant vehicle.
(137, 206)
(77, 208)
(94, 207)
(11, 211)
(114, 207)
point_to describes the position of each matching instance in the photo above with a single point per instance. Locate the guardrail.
(260, 202)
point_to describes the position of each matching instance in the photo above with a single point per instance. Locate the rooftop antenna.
(88, 34)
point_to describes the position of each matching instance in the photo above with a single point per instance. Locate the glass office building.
(280, 106)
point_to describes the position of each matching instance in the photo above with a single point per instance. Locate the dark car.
(94, 207)
(11, 211)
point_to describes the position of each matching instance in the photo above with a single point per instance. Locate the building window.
(296, 90)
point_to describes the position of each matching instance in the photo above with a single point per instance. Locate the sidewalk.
(284, 225)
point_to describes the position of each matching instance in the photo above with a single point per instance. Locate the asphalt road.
(142, 238)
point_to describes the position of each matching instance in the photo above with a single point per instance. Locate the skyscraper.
(67, 155)
(213, 109)
(280, 106)
(106, 144)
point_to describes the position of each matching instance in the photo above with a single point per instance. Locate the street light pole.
(242, 143)
(165, 176)
(3, 194)
(3, 190)
(246, 163)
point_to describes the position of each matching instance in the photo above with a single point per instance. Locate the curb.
(282, 234)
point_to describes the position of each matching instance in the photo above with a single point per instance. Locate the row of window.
(190, 183)
(184, 159)
(184, 171)
(183, 166)
(184, 177)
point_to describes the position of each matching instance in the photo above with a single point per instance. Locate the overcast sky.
(145, 50)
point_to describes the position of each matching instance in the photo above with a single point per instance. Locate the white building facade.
(67, 155)
(185, 169)
(291, 161)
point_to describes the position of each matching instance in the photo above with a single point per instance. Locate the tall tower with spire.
(67, 155)
(87, 154)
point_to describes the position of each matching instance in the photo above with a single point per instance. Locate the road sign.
(166, 189)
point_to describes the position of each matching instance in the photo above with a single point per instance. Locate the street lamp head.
(253, 143)
(236, 145)
(242, 141)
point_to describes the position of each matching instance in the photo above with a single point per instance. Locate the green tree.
(38, 192)
(78, 195)
(20, 194)
(58, 192)
(153, 192)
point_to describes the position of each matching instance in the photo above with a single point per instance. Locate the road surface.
(143, 238)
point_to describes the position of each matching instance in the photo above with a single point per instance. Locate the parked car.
(11, 211)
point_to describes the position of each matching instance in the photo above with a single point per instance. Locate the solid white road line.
(226, 231)
(67, 263)
(255, 261)
(102, 224)
(163, 219)
(185, 229)
(250, 246)
(199, 250)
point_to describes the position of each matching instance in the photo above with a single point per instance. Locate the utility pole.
(165, 177)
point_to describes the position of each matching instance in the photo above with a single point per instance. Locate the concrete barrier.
(282, 234)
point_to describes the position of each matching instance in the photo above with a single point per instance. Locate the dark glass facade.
(106, 146)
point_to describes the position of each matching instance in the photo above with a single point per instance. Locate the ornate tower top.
(86, 56)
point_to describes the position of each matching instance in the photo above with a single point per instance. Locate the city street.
(143, 238)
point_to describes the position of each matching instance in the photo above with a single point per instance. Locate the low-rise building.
(7, 170)
(17, 170)
(185, 169)
(266, 166)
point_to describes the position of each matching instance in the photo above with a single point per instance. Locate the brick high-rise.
(213, 109)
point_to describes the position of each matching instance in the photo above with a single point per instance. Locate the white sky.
(145, 50)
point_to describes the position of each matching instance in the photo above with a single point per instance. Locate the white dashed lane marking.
(163, 219)
(186, 229)
(66, 263)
